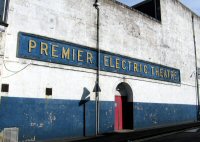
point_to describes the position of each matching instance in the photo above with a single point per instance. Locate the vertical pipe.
(96, 5)
(5, 12)
(155, 6)
(196, 74)
(84, 120)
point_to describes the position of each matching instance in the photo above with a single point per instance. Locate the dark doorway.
(124, 107)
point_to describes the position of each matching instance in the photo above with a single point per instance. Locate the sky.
(194, 5)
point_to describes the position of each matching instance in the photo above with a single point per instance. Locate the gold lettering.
(172, 75)
(145, 69)
(80, 55)
(65, 53)
(140, 67)
(165, 74)
(168, 73)
(89, 57)
(111, 63)
(175, 75)
(73, 54)
(44, 48)
(152, 70)
(117, 63)
(129, 64)
(53, 51)
(161, 72)
(106, 61)
(157, 72)
(32, 44)
(135, 67)
(123, 64)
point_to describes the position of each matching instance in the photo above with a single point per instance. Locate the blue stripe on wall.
(148, 115)
(50, 119)
(43, 119)
(90, 118)
(106, 117)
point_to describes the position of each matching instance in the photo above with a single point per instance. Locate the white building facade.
(49, 67)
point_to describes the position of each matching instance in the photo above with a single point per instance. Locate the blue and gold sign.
(56, 51)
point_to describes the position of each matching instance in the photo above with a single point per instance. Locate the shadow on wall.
(85, 96)
(84, 99)
(42, 119)
(106, 114)
(125, 90)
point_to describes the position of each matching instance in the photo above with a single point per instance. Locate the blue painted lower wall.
(51, 119)
(106, 117)
(148, 115)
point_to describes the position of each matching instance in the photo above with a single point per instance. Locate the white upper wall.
(122, 31)
(170, 42)
(67, 20)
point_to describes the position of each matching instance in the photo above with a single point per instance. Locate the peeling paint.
(40, 125)
(33, 124)
(51, 117)
(31, 139)
(154, 114)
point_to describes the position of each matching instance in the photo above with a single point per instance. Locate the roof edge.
(131, 8)
(187, 8)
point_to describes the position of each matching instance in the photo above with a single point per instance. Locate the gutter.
(196, 72)
(96, 5)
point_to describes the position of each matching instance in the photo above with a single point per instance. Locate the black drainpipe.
(196, 74)
(155, 9)
(96, 5)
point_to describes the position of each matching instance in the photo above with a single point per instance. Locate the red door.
(118, 113)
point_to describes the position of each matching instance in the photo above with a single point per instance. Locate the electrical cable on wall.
(14, 72)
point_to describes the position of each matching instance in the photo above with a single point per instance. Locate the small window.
(49, 91)
(4, 88)
(3, 12)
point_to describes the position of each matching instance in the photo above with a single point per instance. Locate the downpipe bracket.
(96, 4)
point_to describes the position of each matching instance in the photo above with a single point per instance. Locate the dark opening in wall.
(4, 87)
(49, 91)
(3, 12)
(150, 7)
